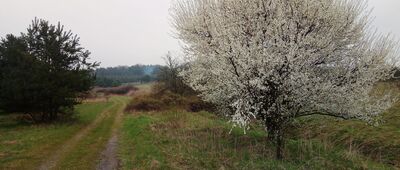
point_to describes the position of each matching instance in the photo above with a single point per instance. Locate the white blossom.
(275, 60)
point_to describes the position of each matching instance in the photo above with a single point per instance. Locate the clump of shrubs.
(165, 100)
(199, 105)
(170, 92)
(145, 103)
(120, 90)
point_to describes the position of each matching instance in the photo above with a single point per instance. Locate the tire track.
(55, 158)
(109, 157)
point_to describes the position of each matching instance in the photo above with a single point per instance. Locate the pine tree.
(44, 72)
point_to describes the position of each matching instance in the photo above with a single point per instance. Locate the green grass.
(137, 139)
(86, 153)
(23, 146)
(181, 140)
(176, 139)
(380, 143)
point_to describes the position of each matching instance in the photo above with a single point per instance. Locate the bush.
(169, 79)
(121, 90)
(164, 100)
(170, 98)
(199, 105)
(145, 103)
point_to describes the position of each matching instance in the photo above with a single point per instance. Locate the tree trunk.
(33, 118)
(44, 117)
(275, 134)
(279, 144)
(53, 116)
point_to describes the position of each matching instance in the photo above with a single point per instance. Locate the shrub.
(199, 105)
(145, 103)
(170, 80)
(165, 99)
(171, 99)
(121, 90)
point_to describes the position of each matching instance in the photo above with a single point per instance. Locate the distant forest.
(115, 76)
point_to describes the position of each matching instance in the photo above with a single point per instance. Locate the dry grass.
(166, 100)
(381, 143)
(145, 88)
(121, 90)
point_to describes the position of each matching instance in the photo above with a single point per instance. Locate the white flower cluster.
(275, 60)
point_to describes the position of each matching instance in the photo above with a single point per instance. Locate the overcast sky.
(127, 32)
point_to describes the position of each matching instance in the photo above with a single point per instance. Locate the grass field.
(25, 146)
(177, 139)
(380, 143)
(182, 140)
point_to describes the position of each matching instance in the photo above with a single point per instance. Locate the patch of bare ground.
(109, 157)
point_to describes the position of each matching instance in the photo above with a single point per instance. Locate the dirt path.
(109, 157)
(55, 158)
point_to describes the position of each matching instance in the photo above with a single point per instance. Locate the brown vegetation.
(120, 90)
(165, 99)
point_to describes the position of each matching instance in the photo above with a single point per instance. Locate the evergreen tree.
(44, 72)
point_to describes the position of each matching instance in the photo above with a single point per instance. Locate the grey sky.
(127, 32)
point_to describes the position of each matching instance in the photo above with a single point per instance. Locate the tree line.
(116, 76)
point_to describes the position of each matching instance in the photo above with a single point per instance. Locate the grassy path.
(81, 151)
(26, 146)
(109, 157)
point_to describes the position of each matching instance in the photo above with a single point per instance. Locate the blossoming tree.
(276, 60)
